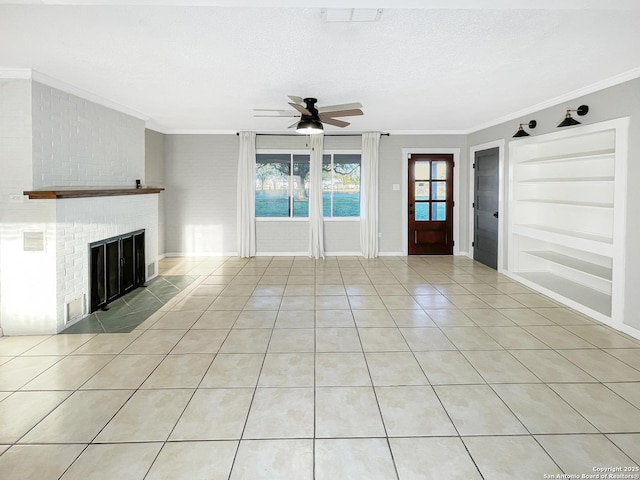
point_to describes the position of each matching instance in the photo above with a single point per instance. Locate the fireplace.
(117, 266)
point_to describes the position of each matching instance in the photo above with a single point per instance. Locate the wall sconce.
(568, 121)
(521, 132)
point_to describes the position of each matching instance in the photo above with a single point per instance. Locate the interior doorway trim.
(500, 144)
(406, 153)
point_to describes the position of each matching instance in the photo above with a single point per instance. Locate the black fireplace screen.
(117, 267)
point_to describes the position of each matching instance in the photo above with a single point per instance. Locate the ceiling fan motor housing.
(311, 106)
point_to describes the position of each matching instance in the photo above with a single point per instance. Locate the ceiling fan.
(312, 117)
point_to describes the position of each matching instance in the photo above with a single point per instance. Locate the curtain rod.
(298, 135)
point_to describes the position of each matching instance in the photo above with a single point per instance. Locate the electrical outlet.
(16, 198)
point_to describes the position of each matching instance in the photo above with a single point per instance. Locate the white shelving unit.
(567, 213)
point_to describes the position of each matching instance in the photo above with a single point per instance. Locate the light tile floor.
(288, 368)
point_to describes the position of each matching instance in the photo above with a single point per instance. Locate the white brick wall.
(85, 220)
(22, 273)
(51, 138)
(80, 143)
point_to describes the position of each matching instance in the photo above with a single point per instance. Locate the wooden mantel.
(84, 192)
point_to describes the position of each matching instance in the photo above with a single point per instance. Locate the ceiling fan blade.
(300, 108)
(272, 112)
(339, 108)
(296, 99)
(333, 121)
(343, 113)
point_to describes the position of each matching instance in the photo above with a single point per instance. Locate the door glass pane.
(439, 190)
(439, 170)
(421, 170)
(422, 211)
(421, 191)
(439, 211)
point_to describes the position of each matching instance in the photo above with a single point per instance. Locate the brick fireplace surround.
(50, 138)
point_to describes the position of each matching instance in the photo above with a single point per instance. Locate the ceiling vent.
(334, 15)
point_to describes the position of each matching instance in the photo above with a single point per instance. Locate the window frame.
(292, 152)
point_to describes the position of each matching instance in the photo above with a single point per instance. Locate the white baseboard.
(629, 330)
(391, 254)
(200, 254)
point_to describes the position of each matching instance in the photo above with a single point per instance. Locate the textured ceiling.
(204, 68)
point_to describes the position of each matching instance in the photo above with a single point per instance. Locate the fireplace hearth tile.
(129, 311)
(90, 324)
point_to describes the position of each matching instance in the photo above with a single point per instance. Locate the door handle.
(495, 214)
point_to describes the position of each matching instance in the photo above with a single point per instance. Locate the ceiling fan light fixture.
(309, 126)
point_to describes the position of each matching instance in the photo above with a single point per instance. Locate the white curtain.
(369, 194)
(316, 225)
(246, 194)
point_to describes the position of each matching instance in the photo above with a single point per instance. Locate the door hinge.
(474, 165)
(453, 204)
(453, 244)
(473, 244)
(473, 205)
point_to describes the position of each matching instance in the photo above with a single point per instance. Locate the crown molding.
(426, 132)
(594, 87)
(431, 4)
(179, 131)
(15, 73)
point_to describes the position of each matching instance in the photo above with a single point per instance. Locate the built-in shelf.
(568, 202)
(574, 263)
(598, 244)
(568, 180)
(84, 192)
(581, 294)
(564, 238)
(573, 156)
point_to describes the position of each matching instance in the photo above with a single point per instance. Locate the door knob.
(495, 214)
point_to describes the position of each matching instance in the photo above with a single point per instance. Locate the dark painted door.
(430, 203)
(485, 225)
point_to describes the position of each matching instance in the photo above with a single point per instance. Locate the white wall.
(200, 173)
(390, 174)
(80, 143)
(154, 176)
(80, 222)
(22, 274)
(614, 102)
(200, 197)
(57, 139)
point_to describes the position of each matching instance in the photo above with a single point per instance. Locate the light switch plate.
(396, 186)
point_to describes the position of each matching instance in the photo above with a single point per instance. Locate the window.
(282, 185)
(341, 185)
